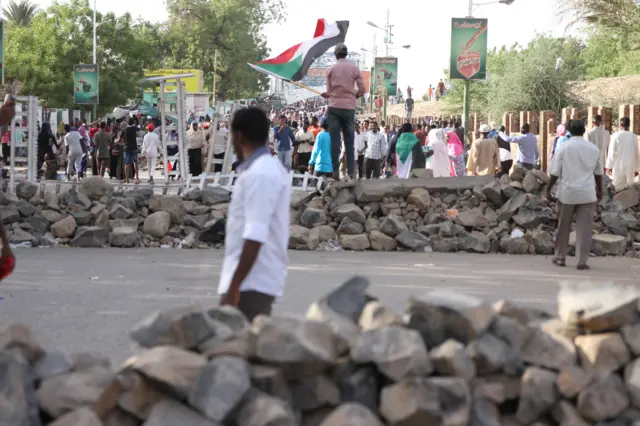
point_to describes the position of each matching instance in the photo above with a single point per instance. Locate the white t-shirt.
(505, 155)
(259, 211)
(72, 142)
(575, 164)
(150, 144)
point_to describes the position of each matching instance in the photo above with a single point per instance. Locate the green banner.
(85, 84)
(2, 49)
(468, 49)
(386, 76)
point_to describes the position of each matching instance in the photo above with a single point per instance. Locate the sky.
(426, 27)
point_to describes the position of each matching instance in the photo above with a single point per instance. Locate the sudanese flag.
(293, 63)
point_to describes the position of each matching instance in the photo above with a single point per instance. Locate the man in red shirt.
(342, 79)
(421, 135)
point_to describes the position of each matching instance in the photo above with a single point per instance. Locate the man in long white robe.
(600, 137)
(623, 159)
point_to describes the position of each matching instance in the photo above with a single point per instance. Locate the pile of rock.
(452, 360)
(93, 215)
(474, 214)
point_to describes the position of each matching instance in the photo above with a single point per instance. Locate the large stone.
(118, 211)
(64, 228)
(17, 394)
(220, 388)
(451, 359)
(491, 355)
(351, 211)
(83, 217)
(355, 242)
(396, 351)
(50, 215)
(313, 217)
(300, 347)
(548, 350)
(414, 401)
(474, 242)
(627, 198)
(344, 196)
(51, 364)
(90, 236)
(312, 393)
(350, 227)
(171, 413)
(198, 222)
(19, 236)
(510, 208)
(571, 380)
(359, 384)
(515, 245)
(157, 224)
(493, 192)
(483, 413)
(78, 417)
(188, 326)
(171, 204)
(441, 315)
(382, 242)
(25, 209)
(455, 400)
(474, 218)
(96, 187)
(272, 381)
(518, 173)
(376, 315)
(10, 214)
(565, 414)
(376, 189)
(351, 414)
(497, 389)
(530, 182)
(616, 224)
(608, 244)
(81, 361)
(604, 398)
(597, 307)
(392, 226)
(38, 223)
(18, 336)
(213, 232)
(632, 381)
(631, 336)
(420, 198)
(66, 392)
(26, 190)
(606, 351)
(505, 308)
(260, 409)
(298, 237)
(213, 195)
(538, 394)
(412, 240)
(77, 201)
(124, 236)
(543, 242)
(529, 218)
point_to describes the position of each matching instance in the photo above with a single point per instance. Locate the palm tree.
(20, 12)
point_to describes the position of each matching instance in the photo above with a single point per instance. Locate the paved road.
(89, 299)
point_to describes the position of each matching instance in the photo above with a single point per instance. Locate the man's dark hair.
(341, 51)
(253, 124)
(625, 122)
(294, 124)
(67, 128)
(132, 121)
(456, 125)
(419, 126)
(577, 128)
(597, 119)
(103, 125)
(433, 126)
(325, 125)
(526, 128)
(282, 116)
(502, 128)
(314, 118)
(367, 121)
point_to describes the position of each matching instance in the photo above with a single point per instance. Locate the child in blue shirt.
(320, 161)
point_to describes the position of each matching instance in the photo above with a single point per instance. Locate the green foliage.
(525, 79)
(611, 53)
(20, 12)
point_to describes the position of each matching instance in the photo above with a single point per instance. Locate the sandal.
(559, 262)
(583, 267)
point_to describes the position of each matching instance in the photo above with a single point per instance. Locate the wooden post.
(592, 111)
(623, 111)
(607, 118)
(514, 122)
(634, 116)
(544, 137)
(507, 124)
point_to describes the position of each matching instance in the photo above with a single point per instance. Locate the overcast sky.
(425, 28)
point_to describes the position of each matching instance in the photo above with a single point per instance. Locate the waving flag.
(293, 63)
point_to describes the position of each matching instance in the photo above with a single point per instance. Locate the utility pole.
(95, 60)
(387, 39)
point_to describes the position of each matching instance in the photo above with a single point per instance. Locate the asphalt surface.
(88, 300)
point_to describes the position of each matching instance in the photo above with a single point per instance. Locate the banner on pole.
(386, 76)
(2, 48)
(85, 84)
(468, 49)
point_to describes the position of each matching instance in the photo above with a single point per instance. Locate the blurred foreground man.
(577, 167)
(257, 236)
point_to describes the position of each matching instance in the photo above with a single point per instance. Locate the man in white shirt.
(150, 149)
(599, 137)
(257, 235)
(361, 146)
(75, 151)
(578, 167)
(375, 152)
(623, 158)
(304, 145)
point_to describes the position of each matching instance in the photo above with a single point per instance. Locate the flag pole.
(302, 86)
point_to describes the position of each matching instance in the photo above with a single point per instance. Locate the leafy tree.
(611, 53)
(614, 14)
(197, 28)
(20, 12)
(43, 54)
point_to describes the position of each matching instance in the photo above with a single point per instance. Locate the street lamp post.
(467, 82)
(95, 58)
